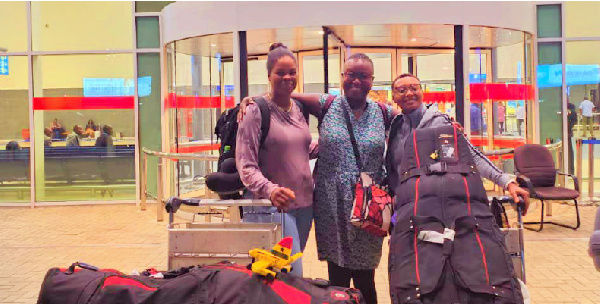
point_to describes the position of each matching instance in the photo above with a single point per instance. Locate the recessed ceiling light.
(321, 32)
(413, 39)
(213, 45)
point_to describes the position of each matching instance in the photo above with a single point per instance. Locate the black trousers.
(364, 280)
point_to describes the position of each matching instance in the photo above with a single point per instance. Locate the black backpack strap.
(352, 139)
(302, 109)
(386, 116)
(265, 113)
(395, 124)
(325, 108)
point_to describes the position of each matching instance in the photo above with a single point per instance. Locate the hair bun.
(277, 45)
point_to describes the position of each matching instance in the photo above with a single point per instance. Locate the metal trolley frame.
(514, 240)
(194, 243)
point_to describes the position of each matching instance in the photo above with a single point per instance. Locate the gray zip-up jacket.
(428, 118)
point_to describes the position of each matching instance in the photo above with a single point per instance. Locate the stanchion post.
(144, 192)
(160, 207)
(579, 163)
(559, 164)
(591, 170)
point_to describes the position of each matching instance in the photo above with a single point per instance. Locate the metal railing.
(160, 197)
(579, 166)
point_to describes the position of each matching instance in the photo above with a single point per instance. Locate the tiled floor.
(125, 238)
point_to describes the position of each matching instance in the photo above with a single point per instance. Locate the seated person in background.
(105, 140)
(57, 128)
(47, 137)
(74, 138)
(90, 128)
(13, 146)
(90, 124)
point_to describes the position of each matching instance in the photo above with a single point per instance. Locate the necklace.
(282, 109)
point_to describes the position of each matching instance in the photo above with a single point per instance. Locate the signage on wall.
(4, 65)
(551, 75)
(116, 87)
(144, 86)
(228, 90)
(477, 78)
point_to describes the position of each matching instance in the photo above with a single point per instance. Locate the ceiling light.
(213, 45)
(321, 32)
(413, 39)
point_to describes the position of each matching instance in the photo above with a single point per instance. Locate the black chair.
(536, 172)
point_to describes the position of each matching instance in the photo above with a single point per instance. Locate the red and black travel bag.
(222, 283)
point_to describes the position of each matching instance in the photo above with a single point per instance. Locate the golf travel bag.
(222, 283)
(445, 245)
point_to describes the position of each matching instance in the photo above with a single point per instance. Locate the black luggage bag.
(445, 246)
(222, 283)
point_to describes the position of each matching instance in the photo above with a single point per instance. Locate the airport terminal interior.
(61, 77)
(91, 91)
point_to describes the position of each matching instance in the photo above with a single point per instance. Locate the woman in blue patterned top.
(351, 253)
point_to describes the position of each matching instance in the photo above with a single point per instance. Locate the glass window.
(549, 53)
(147, 32)
(149, 110)
(150, 6)
(549, 81)
(13, 22)
(81, 25)
(581, 18)
(14, 131)
(312, 70)
(549, 21)
(313, 81)
(477, 66)
(258, 81)
(501, 91)
(436, 72)
(583, 92)
(83, 108)
(382, 84)
(198, 92)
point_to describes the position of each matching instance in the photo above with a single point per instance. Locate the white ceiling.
(310, 38)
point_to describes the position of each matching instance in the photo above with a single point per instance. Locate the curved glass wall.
(502, 90)
(200, 87)
(500, 76)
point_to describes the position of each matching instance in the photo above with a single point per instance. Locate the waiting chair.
(536, 172)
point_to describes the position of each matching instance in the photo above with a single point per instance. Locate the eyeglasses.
(404, 89)
(361, 76)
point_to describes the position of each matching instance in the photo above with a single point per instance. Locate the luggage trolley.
(194, 243)
(514, 240)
